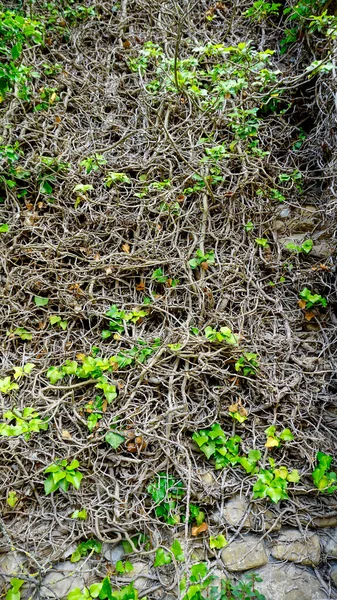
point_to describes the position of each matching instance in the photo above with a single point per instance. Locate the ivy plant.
(84, 548)
(273, 483)
(61, 475)
(247, 364)
(324, 479)
(166, 491)
(118, 319)
(308, 299)
(23, 422)
(223, 335)
(274, 439)
(202, 260)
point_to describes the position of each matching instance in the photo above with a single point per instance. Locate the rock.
(329, 542)
(333, 574)
(235, 512)
(11, 564)
(324, 522)
(270, 522)
(292, 546)
(248, 553)
(208, 478)
(321, 249)
(112, 553)
(288, 582)
(64, 577)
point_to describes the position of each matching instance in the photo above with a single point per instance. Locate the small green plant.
(61, 475)
(4, 227)
(21, 332)
(164, 558)
(14, 592)
(47, 96)
(308, 299)
(262, 242)
(84, 548)
(324, 480)
(93, 163)
(113, 178)
(217, 542)
(7, 385)
(238, 412)
(104, 591)
(260, 10)
(306, 247)
(249, 226)
(57, 320)
(202, 260)
(223, 335)
(158, 275)
(118, 319)
(275, 439)
(247, 364)
(25, 370)
(23, 422)
(12, 499)
(79, 514)
(39, 301)
(82, 192)
(225, 451)
(166, 491)
(124, 567)
(273, 483)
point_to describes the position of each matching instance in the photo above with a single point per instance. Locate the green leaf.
(95, 589)
(4, 228)
(39, 301)
(286, 435)
(50, 485)
(177, 551)
(114, 439)
(218, 542)
(76, 594)
(162, 558)
(119, 567)
(193, 263)
(45, 188)
(12, 499)
(79, 514)
(294, 476)
(128, 566)
(16, 50)
(28, 368)
(75, 479)
(198, 571)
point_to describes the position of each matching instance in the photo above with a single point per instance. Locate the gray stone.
(333, 574)
(289, 582)
(321, 249)
(293, 547)
(112, 553)
(248, 553)
(329, 542)
(235, 512)
(64, 577)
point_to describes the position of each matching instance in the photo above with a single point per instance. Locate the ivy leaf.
(272, 442)
(4, 228)
(39, 301)
(294, 476)
(114, 439)
(218, 542)
(286, 435)
(162, 558)
(177, 551)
